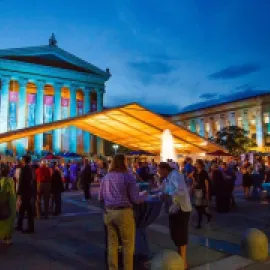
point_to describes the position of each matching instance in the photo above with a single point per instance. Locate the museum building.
(251, 113)
(44, 84)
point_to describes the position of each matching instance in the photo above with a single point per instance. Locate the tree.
(235, 139)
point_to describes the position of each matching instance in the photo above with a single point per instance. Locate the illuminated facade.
(44, 84)
(251, 114)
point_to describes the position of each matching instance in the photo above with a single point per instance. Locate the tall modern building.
(251, 113)
(44, 84)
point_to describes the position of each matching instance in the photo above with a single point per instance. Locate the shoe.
(28, 231)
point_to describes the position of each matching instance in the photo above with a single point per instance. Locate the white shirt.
(175, 185)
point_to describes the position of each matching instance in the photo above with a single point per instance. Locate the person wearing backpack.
(43, 178)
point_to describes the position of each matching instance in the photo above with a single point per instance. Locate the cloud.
(152, 68)
(233, 72)
(208, 95)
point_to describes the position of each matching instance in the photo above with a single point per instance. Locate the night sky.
(164, 54)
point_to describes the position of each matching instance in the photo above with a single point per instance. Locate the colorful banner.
(64, 102)
(65, 131)
(13, 96)
(12, 115)
(93, 106)
(79, 131)
(48, 100)
(48, 109)
(31, 104)
(79, 104)
(31, 98)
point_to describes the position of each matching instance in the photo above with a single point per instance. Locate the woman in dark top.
(247, 181)
(201, 191)
(223, 191)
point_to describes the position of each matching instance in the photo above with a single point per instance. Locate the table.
(145, 214)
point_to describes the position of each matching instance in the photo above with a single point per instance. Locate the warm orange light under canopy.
(132, 126)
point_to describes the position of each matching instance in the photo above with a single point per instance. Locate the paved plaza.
(76, 239)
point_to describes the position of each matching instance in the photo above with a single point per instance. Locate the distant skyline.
(165, 55)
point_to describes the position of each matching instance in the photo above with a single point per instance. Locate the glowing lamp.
(204, 143)
(207, 127)
(115, 147)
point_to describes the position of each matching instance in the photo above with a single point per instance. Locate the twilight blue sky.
(164, 54)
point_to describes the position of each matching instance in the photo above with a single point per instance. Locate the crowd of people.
(35, 189)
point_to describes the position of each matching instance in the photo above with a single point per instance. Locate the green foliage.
(234, 139)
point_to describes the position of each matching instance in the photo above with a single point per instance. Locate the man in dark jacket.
(57, 188)
(25, 193)
(86, 180)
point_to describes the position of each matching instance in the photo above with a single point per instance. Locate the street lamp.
(115, 147)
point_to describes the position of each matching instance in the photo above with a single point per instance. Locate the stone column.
(4, 105)
(268, 124)
(202, 127)
(57, 116)
(100, 142)
(21, 144)
(86, 109)
(210, 132)
(222, 121)
(192, 125)
(232, 119)
(39, 115)
(259, 127)
(245, 120)
(73, 113)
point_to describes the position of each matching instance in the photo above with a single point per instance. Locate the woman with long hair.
(177, 199)
(247, 181)
(201, 192)
(119, 191)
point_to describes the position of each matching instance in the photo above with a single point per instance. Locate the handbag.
(198, 197)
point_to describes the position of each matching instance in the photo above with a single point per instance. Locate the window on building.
(266, 118)
(239, 122)
(253, 121)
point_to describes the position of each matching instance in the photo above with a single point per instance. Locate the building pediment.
(52, 56)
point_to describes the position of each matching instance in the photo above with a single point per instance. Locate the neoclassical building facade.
(45, 84)
(251, 114)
